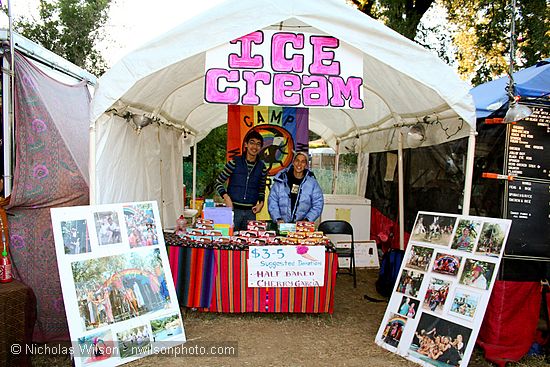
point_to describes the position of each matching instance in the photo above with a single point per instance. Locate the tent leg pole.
(11, 107)
(401, 194)
(359, 163)
(91, 165)
(194, 175)
(469, 172)
(7, 113)
(335, 172)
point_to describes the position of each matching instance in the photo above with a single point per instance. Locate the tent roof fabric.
(403, 82)
(531, 82)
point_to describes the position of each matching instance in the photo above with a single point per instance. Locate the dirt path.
(345, 338)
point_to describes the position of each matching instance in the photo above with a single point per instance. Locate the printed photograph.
(491, 240)
(95, 347)
(408, 307)
(110, 290)
(466, 234)
(116, 288)
(166, 327)
(140, 222)
(393, 330)
(435, 229)
(76, 239)
(465, 303)
(419, 258)
(410, 282)
(133, 341)
(447, 264)
(436, 295)
(439, 342)
(107, 228)
(477, 274)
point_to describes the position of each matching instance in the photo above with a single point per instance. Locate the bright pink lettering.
(315, 96)
(251, 77)
(245, 60)
(283, 83)
(348, 90)
(279, 62)
(323, 61)
(212, 91)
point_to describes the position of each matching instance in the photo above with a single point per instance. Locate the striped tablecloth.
(214, 280)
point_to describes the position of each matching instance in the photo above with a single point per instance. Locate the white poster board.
(286, 266)
(117, 286)
(443, 288)
(366, 254)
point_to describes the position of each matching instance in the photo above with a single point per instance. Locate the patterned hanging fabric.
(46, 175)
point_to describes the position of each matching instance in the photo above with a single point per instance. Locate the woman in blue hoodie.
(295, 194)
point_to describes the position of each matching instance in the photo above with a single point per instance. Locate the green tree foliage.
(403, 16)
(483, 35)
(481, 31)
(71, 29)
(211, 159)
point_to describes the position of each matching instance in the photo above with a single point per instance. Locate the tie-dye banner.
(285, 131)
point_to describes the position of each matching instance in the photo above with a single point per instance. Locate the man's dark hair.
(253, 134)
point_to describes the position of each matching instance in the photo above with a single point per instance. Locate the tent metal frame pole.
(401, 191)
(91, 164)
(469, 172)
(359, 162)
(336, 164)
(7, 126)
(9, 123)
(194, 175)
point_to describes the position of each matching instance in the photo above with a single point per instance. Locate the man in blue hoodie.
(295, 193)
(247, 174)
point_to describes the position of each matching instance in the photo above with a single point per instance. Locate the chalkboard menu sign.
(527, 154)
(528, 196)
(528, 207)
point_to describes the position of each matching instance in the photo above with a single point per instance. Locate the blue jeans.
(241, 218)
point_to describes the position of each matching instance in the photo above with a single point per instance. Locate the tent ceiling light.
(516, 112)
(416, 136)
(139, 121)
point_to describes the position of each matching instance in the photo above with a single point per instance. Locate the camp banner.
(284, 129)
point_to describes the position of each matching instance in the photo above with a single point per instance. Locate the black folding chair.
(341, 227)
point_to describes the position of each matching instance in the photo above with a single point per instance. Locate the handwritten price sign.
(286, 266)
(267, 253)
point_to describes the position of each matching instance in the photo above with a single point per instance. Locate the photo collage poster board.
(117, 287)
(443, 288)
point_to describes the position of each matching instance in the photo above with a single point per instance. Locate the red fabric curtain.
(509, 326)
(385, 231)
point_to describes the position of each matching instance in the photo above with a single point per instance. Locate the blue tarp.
(531, 82)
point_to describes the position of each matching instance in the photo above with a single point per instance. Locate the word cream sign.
(269, 68)
(286, 266)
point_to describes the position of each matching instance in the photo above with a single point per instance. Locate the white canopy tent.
(404, 84)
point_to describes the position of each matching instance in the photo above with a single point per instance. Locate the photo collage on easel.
(443, 288)
(117, 287)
